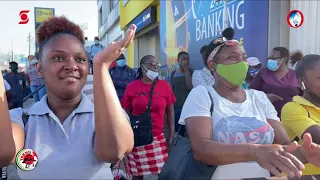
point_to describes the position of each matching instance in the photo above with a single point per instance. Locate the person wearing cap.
(254, 68)
(121, 75)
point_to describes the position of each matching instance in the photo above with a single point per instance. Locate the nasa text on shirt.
(26, 159)
(295, 18)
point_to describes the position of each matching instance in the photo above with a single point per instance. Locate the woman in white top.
(73, 138)
(243, 136)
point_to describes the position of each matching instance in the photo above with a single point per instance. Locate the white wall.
(114, 33)
(307, 37)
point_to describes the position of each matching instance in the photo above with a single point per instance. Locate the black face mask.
(313, 96)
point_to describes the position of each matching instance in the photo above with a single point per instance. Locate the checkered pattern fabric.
(148, 159)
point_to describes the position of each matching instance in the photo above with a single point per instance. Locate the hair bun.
(228, 33)
(203, 48)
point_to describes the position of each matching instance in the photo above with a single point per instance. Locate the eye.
(58, 58)
(232, 57)
(81, 60)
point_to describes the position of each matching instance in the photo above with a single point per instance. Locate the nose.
(71, 65)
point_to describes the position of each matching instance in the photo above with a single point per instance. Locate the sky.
(13, 36)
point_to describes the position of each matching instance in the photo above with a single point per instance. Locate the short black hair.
(284, 52)
(306, 63)
(182, 53)
(13, 63)
(121, 57)
(203, 54)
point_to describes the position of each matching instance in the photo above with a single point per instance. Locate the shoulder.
(264, 71)
(196, 72)
(134, 83)
(163, 83)
(16, 116)
(199, 91)
(292, 108)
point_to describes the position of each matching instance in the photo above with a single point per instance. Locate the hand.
(169, 143)
(310, 150)
(115, 49)
(273, 98)
(275, 159)
(185, 64)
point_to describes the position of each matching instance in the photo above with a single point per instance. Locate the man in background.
(121, 75)
(17, 82)
(94, 50)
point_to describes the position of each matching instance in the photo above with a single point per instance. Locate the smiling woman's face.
(64, 66)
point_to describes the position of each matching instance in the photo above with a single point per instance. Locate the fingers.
(291, 147)
(307, 140)
(296, 162)
(128, 37)
(273, 170)
(282, 166)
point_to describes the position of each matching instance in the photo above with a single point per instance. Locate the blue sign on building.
(187, 25)
(144, 19)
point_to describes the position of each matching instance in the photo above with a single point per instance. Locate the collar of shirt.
(42, 108)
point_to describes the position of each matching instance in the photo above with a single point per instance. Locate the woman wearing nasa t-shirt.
(238, 137)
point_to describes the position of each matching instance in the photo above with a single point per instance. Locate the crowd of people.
(264, 120)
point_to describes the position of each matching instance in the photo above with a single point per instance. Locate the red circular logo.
(295, 18)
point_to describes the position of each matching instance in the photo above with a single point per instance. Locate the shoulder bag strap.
(297, 138)
(150, 95)
(25, 118)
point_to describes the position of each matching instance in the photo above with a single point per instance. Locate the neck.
(181, 68)
(230, 92)
(146, 80)
(62, 108)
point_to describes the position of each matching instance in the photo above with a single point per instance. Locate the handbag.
(181, 165)
(142, 124)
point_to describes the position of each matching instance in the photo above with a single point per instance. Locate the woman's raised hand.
(115, 49)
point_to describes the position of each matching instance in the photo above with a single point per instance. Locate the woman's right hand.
(277, 160)
(273, 98)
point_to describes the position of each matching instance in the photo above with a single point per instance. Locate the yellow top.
(297, 117)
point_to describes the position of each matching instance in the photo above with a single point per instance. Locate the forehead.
(151, 60)
(235, 49)
(275, 53)
(65, 42)
(184, 56)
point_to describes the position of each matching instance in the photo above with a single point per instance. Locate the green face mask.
(234, 73)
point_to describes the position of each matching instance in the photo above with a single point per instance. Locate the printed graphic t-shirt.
(136, 97)
(234, 123)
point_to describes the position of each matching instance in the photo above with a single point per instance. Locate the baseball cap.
(253, 61)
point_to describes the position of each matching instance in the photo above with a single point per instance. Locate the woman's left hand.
(115, 49)
(311, 150)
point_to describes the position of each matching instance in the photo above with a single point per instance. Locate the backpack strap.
(25, 118)
(297, 138)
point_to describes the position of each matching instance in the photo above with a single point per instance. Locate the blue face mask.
(272, 65)
(253, 72)
(96, 42)
(121, 62)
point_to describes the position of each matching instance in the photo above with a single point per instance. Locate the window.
(125, 2)
(100, 23)
(113, 3)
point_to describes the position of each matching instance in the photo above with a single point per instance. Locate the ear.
(39, 69)
(211, 65)
(301, 83)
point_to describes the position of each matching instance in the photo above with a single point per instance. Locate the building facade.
(187, 25)
(109, 21)
(145, 14)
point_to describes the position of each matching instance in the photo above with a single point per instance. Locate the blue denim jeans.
(38, 96)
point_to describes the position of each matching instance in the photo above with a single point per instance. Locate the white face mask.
(151, 74)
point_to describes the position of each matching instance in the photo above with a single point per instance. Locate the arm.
(6, 151)
(170, 119)
(126, 101)
(113, 133)
(188, 75)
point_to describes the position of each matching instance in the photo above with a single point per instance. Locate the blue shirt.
(65, 150)
(95, 49)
